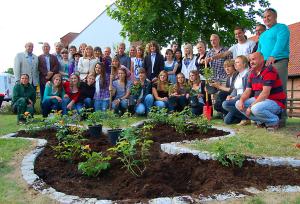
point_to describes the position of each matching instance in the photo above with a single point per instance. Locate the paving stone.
(165, 200)
(104, 202)
(182, 200)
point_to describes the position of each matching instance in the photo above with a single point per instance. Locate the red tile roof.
(294, 64)
(66, 39)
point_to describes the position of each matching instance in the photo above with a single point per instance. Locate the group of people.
(71, 79)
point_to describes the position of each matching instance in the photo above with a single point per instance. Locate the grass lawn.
(264, 143)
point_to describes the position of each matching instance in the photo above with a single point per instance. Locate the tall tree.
(184, 20)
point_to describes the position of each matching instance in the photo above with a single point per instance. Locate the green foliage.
(133, 151)
(184, 20)
(158, 115)
(180, 120)
(95, 118)
(136, 88)
(227, 154)
(95, 163)
(10, 71)
(112, 119)
(202, 124)
(208, 73)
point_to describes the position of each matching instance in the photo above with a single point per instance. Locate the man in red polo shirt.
(269, 99)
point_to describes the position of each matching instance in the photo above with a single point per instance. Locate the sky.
(47, 21)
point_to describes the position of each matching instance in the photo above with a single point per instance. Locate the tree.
(10, 71)
(184, 20)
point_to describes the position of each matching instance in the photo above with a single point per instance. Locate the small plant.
(136, 88)
(132, 151)
(208, 74)
(94, 164)
(112, 120)
(158, 115)
(202, 124)
(95, 118)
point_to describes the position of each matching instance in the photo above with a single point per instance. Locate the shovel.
(207, 109)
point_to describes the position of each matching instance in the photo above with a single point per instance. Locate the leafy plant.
(95, 118)
(136, 88)
(94, 164)
(112, 120)
(202, 124)
(132, 151)
(208, 73)
(158, 115)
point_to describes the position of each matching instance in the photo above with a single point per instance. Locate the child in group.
(72, 93)
(101, 96)
(160, 90)
(137, 63)
(53, 95)
(120, 90)
(87, 92)
(170, 66)
(197, 92)
(178, 94)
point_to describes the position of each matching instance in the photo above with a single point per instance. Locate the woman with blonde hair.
(160, 90)
(197, 92)
(87, 63)
(188, 62)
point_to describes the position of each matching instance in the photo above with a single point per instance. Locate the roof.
(294, 63)
(69, 37)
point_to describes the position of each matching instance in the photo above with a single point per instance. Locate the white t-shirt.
(242, 49)
(238, 84)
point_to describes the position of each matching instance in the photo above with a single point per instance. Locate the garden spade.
(207, 109)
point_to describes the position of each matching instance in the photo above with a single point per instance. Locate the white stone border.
(27, 169)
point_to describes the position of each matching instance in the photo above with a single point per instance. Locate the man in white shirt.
(243, 47)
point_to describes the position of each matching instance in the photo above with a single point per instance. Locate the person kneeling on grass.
(23, 99)
(141, 92)
(160, 90)
(72, 92)
(178, 94)
(87, 91)
(120, 90)
(269, 99)
(53, 95)
(197, 93)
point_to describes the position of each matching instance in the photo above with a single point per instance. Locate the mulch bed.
(165, 176)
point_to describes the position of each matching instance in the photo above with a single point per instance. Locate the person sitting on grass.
(120, 89)
(224, 91)
(23, 99)
(269, 98)
(160, 90)
(178, 94)
(101, 97)
(197, 92)
(53, 95)
(142, 88)
(87, 91)
(233, 115)
(72, 92)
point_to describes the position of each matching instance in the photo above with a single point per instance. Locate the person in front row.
(23, 99)
(178, 94)
(224, 91)
(72, 92)
(53, 95)
(101, 97)
(234, 116)
(87, 92)
(120, 90)
(145, 98)
(160, 90)
(197, 92)
(269, 98)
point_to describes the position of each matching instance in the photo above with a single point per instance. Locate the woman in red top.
(72, 94)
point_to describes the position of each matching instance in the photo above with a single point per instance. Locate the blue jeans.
(101, 104)
(87, 103)
(122, 106)
(161, 104)
(266, 111)
(65, 102)
(234, 115)
(50, 104)
(144, 107)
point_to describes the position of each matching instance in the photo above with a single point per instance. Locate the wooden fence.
(293, 104)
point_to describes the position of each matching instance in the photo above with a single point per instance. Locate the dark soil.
(166, 175)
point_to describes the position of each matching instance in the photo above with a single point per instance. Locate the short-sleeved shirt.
(120, 90)
(268, 76)
(242, 49)
(218, 64)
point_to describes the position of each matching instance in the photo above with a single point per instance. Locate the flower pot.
(95, 130)
(1, 99)
(131, 101)
(113, 135)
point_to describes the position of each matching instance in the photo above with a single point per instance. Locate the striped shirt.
(268, 76)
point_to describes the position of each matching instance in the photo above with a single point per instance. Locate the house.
(103, 31)
(293, 85)
(69, 37)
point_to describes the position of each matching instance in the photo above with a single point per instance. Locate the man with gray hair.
(27, 63)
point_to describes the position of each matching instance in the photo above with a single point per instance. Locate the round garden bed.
(164, 176)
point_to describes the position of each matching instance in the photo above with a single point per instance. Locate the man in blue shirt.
(274, 44)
